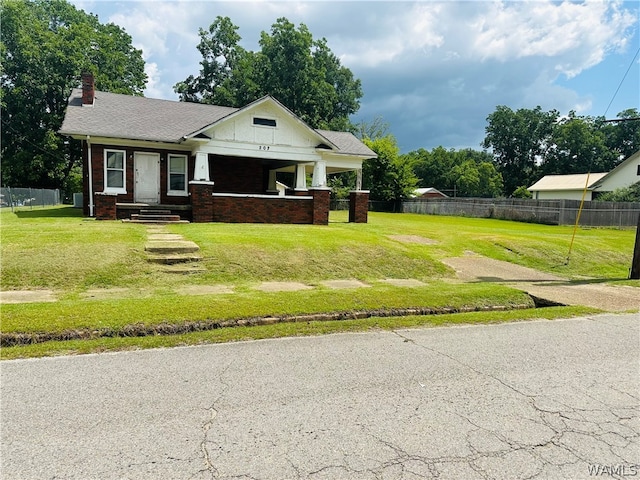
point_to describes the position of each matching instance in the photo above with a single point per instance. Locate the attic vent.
(265, 122)
(324, 146)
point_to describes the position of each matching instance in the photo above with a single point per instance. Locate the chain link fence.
(28, 197)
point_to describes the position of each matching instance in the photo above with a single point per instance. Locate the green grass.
(55, 248)
(74, 347)
(172, 308)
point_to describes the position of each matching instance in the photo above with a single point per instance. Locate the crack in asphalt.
(206, 454)
(565, 422)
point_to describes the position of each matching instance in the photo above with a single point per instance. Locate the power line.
(621, 82)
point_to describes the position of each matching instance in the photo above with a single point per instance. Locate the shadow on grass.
(58, 212)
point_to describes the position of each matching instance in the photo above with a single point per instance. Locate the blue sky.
(432, 70)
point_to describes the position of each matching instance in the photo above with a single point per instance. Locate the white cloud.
(154, 82)
(434, 70)
(576, 35)
(158, 27)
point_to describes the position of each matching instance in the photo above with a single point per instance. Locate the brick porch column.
(106, 206)
(201, 193)
(320, 205)
(358, 206)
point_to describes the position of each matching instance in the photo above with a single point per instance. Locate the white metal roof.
(566, 182)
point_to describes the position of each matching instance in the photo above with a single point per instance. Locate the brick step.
(147, 216)
(156, 222)
(156, 216)
(155, 212)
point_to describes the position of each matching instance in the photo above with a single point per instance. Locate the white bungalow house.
(206, 163)
(571, 187)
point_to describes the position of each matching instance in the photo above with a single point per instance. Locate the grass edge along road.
(55, 248)
(246, 333)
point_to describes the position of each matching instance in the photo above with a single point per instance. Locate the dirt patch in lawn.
(413, 239)
(27, 296)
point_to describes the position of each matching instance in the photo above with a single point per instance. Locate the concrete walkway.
(589, 293)
(35, 296)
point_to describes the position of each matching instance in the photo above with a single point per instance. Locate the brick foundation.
(201, 201)
(320, 205)
(262, 209)
(106, 206)
(358, 206)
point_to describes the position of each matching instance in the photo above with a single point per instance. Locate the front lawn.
(57, 249)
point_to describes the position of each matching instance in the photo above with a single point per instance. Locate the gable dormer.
(264, 124)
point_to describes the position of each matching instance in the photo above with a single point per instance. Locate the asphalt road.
(541, 399)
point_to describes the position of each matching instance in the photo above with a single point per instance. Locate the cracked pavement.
(523, 400)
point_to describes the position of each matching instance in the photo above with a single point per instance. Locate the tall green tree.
(622, 137)
(577, 145)
(390, 176)
(519, 140)
(299, 71)
(464, 173)
(528, 144)
(45, 45)
(221, 59)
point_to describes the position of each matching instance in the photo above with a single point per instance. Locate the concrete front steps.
(155, 217)
(174, 252)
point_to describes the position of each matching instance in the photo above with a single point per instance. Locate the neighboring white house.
(565, 187)
(623, 176)
(571, 187)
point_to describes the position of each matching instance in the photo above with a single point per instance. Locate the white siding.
(561, 195)
(625, 175)
(287, 131)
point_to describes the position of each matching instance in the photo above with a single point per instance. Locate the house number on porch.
(263, 147)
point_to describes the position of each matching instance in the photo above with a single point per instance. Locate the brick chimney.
(88, 89)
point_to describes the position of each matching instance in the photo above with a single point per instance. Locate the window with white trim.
(177, 165)
(114, 171)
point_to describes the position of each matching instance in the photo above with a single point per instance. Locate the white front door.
(147, 172)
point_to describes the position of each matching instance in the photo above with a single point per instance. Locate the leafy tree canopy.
(388, 177)
(463, 173)
(299, 71)
(45, 46)
(518, 140)
(530, 143)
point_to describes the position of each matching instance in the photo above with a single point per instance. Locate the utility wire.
(586, 185)
(621, 82)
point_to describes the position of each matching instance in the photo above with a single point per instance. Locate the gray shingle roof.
(347, 143)
(139, 118)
